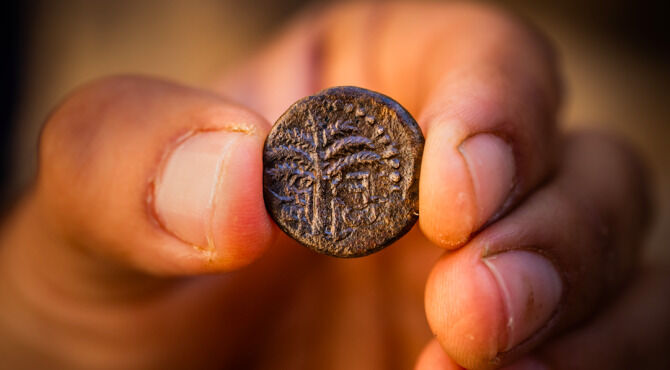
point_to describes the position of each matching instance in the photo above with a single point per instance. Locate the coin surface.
(341, 171)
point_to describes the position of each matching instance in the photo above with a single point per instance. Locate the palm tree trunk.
(316, 196)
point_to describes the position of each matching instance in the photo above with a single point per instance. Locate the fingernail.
(186, 190)
(530, 288)
(527, 363)
(491, 164)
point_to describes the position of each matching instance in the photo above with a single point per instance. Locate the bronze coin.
(341, 171)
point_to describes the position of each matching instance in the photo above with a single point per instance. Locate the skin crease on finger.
(365, 314)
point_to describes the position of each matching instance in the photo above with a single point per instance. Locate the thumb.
(160, 177)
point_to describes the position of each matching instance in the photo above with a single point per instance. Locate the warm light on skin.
(89, 276)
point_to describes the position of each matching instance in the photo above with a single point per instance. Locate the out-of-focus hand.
(145, 188)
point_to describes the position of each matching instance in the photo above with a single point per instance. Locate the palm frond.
(288, 152)
(286, 169)
(339, 127)
(348, 142)
(298, 138)
(362, 157)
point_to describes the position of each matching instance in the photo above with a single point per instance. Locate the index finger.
(486, 93)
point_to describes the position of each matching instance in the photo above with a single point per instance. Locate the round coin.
(341, 171)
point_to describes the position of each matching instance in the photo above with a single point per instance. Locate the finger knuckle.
(77, 120)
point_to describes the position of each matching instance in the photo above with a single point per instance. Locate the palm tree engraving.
(333, 171)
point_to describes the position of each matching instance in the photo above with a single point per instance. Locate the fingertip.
(463, 188)
(446, 201)
(209, 195)
(242, 227)
(465, 310)
(531, 289)
(468, 169)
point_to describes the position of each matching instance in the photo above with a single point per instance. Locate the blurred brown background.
(615, 57)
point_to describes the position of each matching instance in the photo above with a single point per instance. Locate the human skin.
(134, 247)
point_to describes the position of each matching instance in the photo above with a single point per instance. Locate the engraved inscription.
(336, 172)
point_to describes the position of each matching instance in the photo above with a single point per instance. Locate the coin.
(341, 171)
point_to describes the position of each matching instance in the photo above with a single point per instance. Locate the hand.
(146, 188)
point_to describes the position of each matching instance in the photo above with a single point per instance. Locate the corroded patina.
(341, 171)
